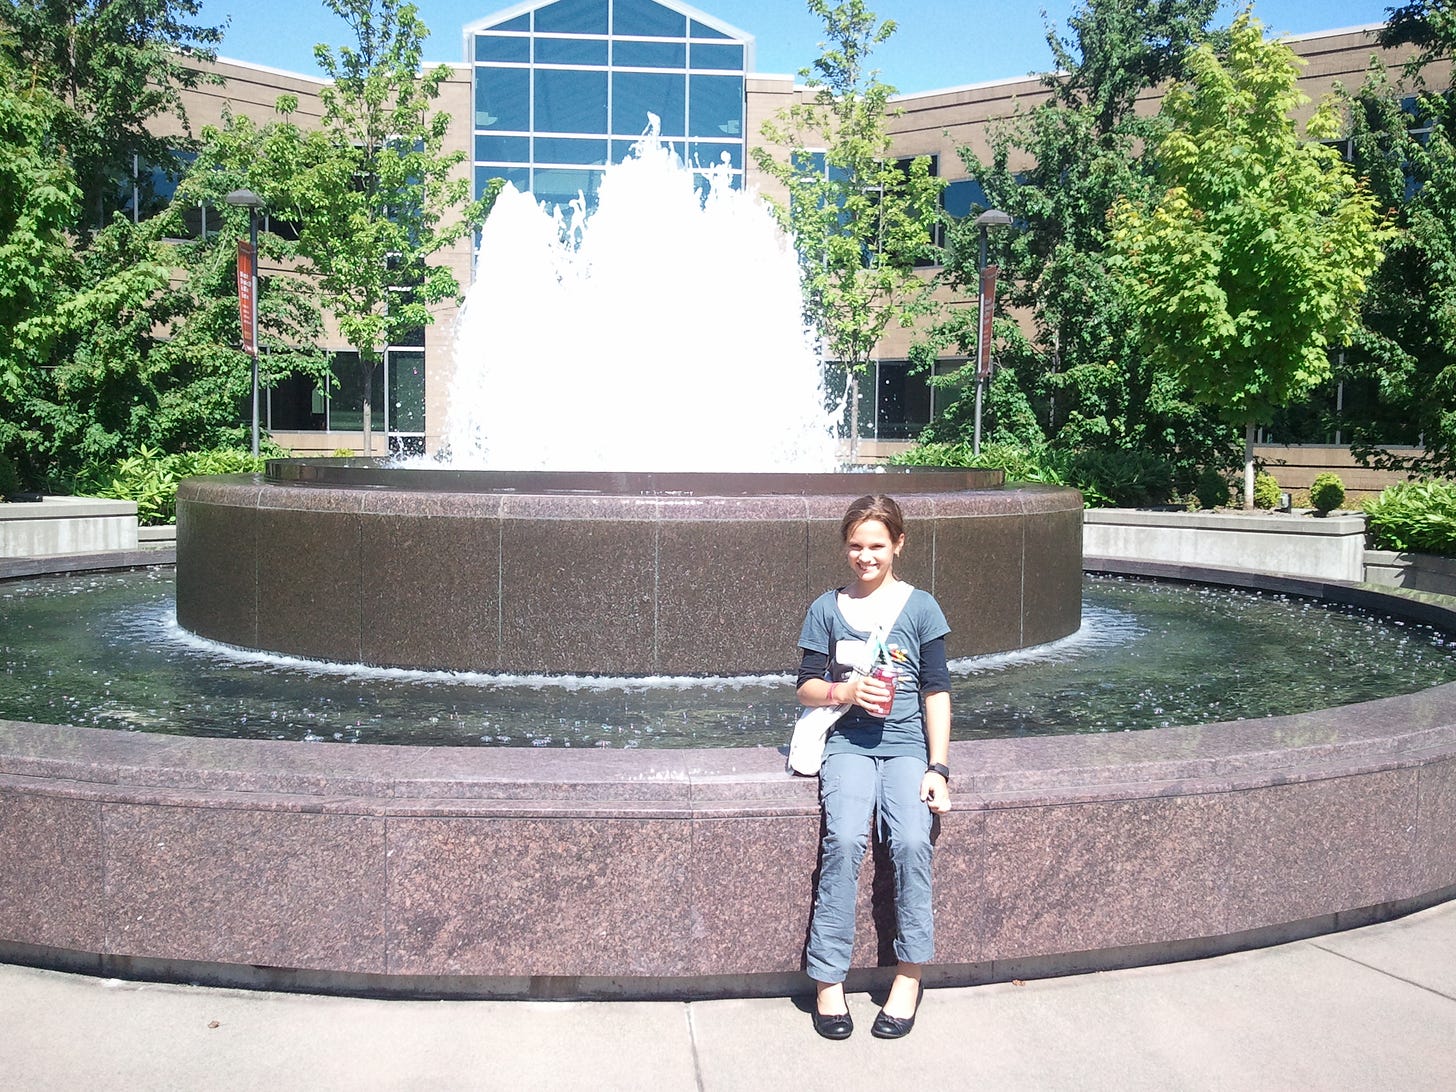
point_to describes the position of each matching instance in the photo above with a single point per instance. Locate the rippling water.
(105, 651)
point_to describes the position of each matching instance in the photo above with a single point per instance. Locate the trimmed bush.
(1266, 490)
(1414, 517)
(1021, 464)
(1212, 488)
(1121, 478)
(1326, 492)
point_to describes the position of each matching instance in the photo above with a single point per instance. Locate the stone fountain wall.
(596, 584)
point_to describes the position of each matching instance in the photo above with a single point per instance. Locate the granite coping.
(1387, 733)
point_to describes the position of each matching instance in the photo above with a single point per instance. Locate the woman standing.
(886, 755)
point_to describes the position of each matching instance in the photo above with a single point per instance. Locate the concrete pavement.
(1368, 1009)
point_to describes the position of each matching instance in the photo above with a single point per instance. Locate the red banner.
(987, 309)
(246, 303)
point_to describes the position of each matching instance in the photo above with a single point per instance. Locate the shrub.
(1326, 492)
(1414, 517)
(9, 478)
(1211, 488)
(1021, 463)
(1121, 478)
(149, 477)
(1266, 491)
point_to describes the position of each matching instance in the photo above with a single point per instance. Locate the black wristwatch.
(940, 768)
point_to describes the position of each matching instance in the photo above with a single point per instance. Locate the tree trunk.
(853, 415)
(368, 366)
(1248, 467)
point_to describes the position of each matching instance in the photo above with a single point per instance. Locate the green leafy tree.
(861, 219)
(1082, 369)
(115, 66)
(371, 188)
(1406, 348)
(80, 282)
(1253, 261)
(1429, 25)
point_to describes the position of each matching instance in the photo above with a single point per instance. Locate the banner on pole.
(246, 303)
(987, 308)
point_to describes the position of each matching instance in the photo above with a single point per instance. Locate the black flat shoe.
(838, 1026)
(891, 1027)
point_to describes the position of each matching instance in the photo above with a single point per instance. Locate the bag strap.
(880, 634)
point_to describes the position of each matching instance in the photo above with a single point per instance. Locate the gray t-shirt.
(903, 731)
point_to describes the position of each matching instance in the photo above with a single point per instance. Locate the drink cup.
(886, 673)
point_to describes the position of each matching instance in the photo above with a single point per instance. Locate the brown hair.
(873, 506)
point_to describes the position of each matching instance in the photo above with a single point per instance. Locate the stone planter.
(1415, 572)
(1331, 548)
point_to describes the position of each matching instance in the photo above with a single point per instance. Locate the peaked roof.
(683, 9)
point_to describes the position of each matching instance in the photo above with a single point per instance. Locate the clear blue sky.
(939, 43)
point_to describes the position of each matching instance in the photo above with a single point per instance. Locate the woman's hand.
(935, 792)
(874, 696)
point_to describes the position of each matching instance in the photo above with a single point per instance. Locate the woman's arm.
(934, 789)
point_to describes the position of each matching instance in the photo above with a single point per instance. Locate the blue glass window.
(621, 149)
(571, 51)
(572, 17)
(718, 56)
(716, 108)
(567, 150)
(702, 30)
(494, 47)
(561, 187)
(649, 54)
(636, 94)
(569, 101)
(520, 177)
(703, 153)
(502, 149)
(521, 23)
(643, 17)
(503, 98)
(960, 197)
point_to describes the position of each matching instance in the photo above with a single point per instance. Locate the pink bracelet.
(832, 699)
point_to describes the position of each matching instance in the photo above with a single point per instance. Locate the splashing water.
(664, 331)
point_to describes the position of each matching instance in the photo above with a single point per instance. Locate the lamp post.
(248, 289)
(987, 297)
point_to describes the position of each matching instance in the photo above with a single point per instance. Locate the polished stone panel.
(982, 593)
(726, 593)
(244, 885)
(1099, 875)
(1051, 603)
(412, 617)
(310, 574)
(553, 617)
(51, 869)
(538, 897)
(217, 519)
(766, 863)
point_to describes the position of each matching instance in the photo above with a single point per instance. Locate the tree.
(1255, 258)
(1082, 368)
(1406, 349)
(81, 282)
(114, 66)
(1429, 25)
(371, 187)
(861, 220)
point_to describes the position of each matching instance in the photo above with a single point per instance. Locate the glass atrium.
(562, 89)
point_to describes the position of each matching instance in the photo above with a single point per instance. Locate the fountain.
(671, 328)
(413, 871)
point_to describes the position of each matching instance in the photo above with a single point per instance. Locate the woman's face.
(872, 551)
